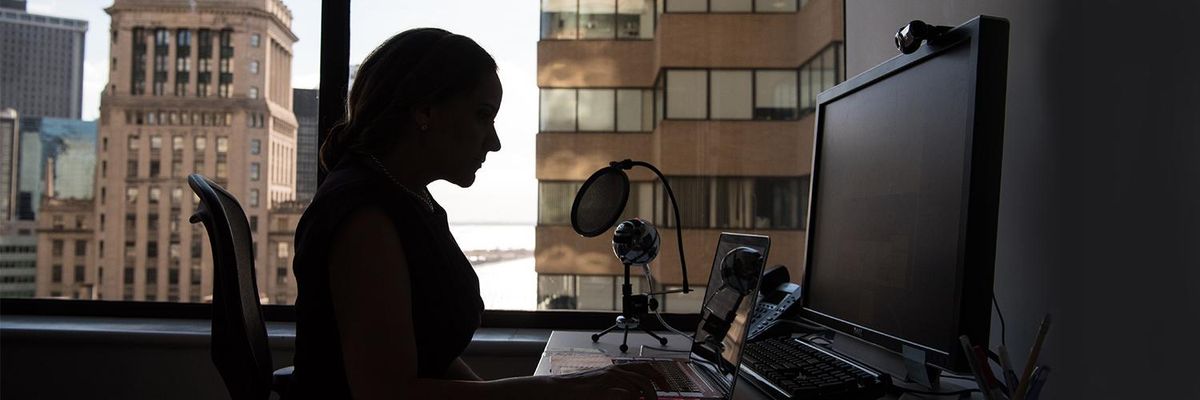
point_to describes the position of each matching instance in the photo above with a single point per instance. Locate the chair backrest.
(239, 336)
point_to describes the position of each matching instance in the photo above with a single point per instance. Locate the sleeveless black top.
(446, 307)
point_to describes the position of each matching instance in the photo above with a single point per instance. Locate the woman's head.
(426, 88)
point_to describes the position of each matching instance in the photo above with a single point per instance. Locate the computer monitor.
(905, 192)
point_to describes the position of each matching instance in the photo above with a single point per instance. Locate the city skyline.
(508, 30)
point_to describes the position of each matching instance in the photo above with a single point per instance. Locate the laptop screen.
(728, 303)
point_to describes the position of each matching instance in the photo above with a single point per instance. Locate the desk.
(581, 341)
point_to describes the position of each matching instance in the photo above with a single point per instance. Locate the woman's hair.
(418, 67)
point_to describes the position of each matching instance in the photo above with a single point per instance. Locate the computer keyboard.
(789, 367)
(669, 378)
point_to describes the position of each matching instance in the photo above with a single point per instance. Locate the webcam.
(910, 36)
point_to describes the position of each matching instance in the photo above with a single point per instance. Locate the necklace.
(424, 199)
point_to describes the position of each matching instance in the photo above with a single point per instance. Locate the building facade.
(18, 259)
(10, 163)
(307, 110)
(718, 94)
(41, 63)
(193, 87)
(66, 251)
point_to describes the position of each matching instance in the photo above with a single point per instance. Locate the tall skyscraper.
(307, 111)
(41, 63)
(194, 87)
(718, 94)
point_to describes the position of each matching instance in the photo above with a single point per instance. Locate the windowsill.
(195, 332)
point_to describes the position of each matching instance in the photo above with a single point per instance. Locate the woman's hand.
(624, 382)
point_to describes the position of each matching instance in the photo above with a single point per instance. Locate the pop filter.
(600, 201)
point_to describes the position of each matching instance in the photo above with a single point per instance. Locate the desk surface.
(581, 342)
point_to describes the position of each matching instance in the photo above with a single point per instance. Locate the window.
(222, 169)
(177, 144)
(732, 6)
(687, 6)
(201, 144)
(253, 197)
(255, 146)
(255, 40)
(737, 202)
(155, 193)
(80, 248)
(597, 19)
(775, 95)
(79, 273)
(820, 73)
(56, 248)
(771, 6)
(56, 273)
(558, 110)
(687, 94)
(253, 68)
(176, 196)
(184, 37)
(254, 171)
(731, 91)
(252, 92)
(560, 19)
(133, 143)
(597, 110)
(222, 145)
(635, 112)
(131, 195)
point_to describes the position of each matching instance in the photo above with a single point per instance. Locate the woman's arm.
(372, 304)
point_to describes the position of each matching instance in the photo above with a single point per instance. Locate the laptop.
(709, 372)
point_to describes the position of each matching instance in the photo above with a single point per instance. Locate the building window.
(183, 37)
(597, 110)
(687, 94)
(558, 110)
(80, 248)
(252, 93)
(222, 169)
(80, 271)
(775, 95)
(56, 248)
(161, 37)
(176, 196)
(733, 6)
(155, 194)
(737, 202)
(254, 171)
(253, 68)
(820, 73)
(201, 145)
(131, 195)
(222, 145)
(612, 19)
(223, 90)
(154, 168)
(255, 40)
(255, 146)
(253, 197)
(731, 91)
(56, 273)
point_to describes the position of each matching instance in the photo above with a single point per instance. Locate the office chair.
(239, 335)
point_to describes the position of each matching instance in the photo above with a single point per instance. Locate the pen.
(984, 386)
(1033, 356)
(1039, 380)
(1010, 377)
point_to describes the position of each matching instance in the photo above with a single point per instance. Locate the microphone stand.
(633, 309)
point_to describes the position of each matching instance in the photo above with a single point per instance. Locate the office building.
(59, 160)
(306, 108)
(18, 259)
(194, 87)
(41, 63)
(65, 251)
(10, 162)
(716, 94)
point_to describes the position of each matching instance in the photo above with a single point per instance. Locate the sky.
(505, 190)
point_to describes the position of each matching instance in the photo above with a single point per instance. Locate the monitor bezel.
(988, 41)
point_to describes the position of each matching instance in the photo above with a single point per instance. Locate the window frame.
(616, 110)
(334, 58)
(578, 31)
(708, 9)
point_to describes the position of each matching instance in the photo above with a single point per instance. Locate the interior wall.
(1098, 219)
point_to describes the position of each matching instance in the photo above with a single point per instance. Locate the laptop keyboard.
(670, 377)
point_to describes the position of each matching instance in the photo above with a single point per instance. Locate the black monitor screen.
(891, 195)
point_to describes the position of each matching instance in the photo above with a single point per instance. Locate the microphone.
(635, 242)
(602, 198)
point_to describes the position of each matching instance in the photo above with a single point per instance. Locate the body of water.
(505, 285)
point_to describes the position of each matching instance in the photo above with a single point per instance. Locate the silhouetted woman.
(387, 301)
